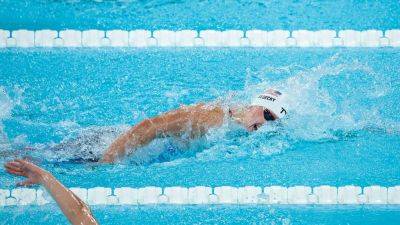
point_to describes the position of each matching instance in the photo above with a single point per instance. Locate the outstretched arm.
(195, 119)
(73, 207)
(146, 131)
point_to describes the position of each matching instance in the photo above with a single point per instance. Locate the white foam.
(6, 104)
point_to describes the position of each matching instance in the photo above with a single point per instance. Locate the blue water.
(346, 130)
(221, 215)
(343, 127)
(199, 14)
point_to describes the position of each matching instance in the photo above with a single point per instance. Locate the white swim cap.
(273, 101)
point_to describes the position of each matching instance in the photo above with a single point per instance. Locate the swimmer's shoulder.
(208, 108)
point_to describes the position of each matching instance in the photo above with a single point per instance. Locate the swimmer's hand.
(33, 173)
(71, 205)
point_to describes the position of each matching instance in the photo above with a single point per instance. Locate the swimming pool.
(344, 130)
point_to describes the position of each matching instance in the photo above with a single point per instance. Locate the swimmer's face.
(252, 117)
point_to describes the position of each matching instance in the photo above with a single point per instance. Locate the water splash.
(325, 104)
(9, 101)
(80, 145)
(6, 106)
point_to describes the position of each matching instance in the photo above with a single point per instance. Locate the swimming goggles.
(268, 115)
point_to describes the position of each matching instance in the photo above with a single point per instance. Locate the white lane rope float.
(193, 38)
(205, 195)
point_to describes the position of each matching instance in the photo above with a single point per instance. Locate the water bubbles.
(5, 104)
(319, 108)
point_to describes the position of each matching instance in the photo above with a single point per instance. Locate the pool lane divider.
(204, 195)
(203, 38)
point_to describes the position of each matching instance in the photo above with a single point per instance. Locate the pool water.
(199, 14)
(220, 215)
(57, 105)
(353, 91)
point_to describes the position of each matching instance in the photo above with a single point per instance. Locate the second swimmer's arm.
(73, 207)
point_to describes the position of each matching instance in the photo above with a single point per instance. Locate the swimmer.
(71, 205)
(196, 120)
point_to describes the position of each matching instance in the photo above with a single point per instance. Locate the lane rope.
(204, 38)
(201, 195)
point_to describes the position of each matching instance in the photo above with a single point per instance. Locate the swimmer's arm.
(146, 131)
(196, 119)
(138, 135)
(73, 207)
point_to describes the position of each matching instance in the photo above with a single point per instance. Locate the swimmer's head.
(251, 117)
(264, 108)
(272, 101)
